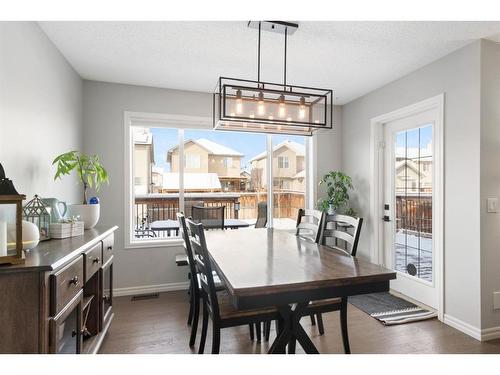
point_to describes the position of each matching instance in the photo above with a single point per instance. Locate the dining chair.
(194, 285)
(261, 215)
(309, 224)
(340, 232)
(210, 217)
(217, 305)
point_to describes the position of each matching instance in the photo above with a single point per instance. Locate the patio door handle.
(386, 218)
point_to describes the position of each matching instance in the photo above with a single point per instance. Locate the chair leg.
(215, 338)
(321, 327)
(291, 345)
(313, 321)
(343, 325)
(194, 322)
(191, 302)
(203, 329)
(258, 331)
(267, 329)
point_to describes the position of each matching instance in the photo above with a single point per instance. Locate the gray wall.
(40, 110)
(490, 180)
(458, 76)
(103, 108)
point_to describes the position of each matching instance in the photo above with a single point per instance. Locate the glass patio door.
(408, 206)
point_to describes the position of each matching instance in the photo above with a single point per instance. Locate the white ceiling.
(352, 58)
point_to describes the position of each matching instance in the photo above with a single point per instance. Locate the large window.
(175, 169)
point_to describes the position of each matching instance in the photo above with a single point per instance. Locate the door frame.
(377, 146)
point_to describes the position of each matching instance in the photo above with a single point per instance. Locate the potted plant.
(91, 174)
(338, 185)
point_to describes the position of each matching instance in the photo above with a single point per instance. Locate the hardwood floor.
(159, 326)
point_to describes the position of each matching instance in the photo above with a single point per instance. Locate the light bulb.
(260, 108)
(282, 107)
(239, 102)
(302, 108)
(252, 116)
(271, 118)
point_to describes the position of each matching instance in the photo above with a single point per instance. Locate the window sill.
(177, 242)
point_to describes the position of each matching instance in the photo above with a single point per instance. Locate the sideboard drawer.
(65, 284)
(107, 247)
(93, 260)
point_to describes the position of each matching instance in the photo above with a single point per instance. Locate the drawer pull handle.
(74, 280)
(96, 260)
(110, 247)
(74, 333)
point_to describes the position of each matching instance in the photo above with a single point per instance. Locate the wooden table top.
(257, 262)
(52, 254)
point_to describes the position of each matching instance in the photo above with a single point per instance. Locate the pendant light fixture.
(265, 107)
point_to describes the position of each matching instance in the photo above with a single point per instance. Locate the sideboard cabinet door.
(66, 327)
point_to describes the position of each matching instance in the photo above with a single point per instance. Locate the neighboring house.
(143, 160)
(156, 179)
(414, 170)
(246, 180)
(205, 156)
(288, 167)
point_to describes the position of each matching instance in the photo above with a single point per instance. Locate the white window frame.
(181, 123)
(190, 158)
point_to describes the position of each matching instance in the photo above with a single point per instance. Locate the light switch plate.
(496, 300)
(492, 204)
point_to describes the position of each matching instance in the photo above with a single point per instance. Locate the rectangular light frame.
(317, 101)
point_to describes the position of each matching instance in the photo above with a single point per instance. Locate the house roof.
(299, 149)
(212, 148)
(301, 174)
(142, 136)
(192, 181)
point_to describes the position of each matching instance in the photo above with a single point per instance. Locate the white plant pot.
(89, 213)
(331, 210)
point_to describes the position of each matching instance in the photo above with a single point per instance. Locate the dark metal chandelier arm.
(284, 68)
(258, 56)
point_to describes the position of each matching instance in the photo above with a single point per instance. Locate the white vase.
(88, 213)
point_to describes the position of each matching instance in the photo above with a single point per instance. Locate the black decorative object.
(412, 270)
(264, 107)
(6, 185)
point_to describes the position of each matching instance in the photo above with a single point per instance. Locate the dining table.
(266, 267)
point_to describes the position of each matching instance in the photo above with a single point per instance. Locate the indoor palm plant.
(91, 174)
(338, 185)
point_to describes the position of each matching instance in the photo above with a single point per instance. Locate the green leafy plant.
(351, 212)
(338, 185)
(88, 168)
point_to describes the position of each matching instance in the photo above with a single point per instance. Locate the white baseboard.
(490, 333)
(463, 326)
(145, 289)
(479, 334)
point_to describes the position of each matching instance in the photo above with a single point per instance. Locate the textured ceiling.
(352, 58)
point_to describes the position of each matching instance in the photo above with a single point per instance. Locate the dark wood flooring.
(159, 326)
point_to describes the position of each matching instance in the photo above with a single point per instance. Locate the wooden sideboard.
(60, 300)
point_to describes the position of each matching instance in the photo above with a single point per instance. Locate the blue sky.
(249, 144)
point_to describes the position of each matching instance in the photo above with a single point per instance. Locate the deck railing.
(414, 213)
(153, 207)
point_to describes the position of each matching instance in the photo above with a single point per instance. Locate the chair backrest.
(338, 230)
(210, 217)
(187, 247)
(309, 224)
(196, 235)
(188, 206)
(261, 215)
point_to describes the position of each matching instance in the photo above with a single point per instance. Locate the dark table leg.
(291, 330)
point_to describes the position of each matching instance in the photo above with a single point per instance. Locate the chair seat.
(229, 314)
(181, 260)
(322, 306)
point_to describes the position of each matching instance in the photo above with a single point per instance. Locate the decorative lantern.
(36, 212)
(10, 215)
